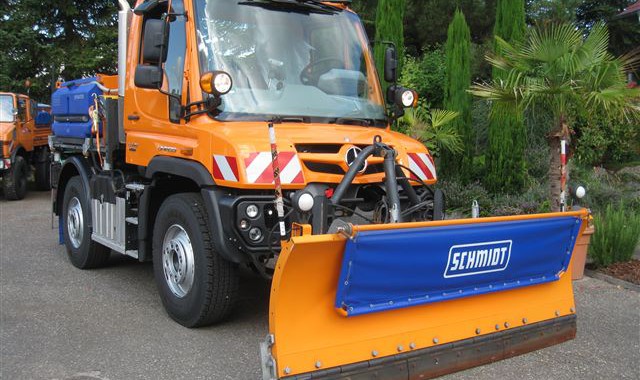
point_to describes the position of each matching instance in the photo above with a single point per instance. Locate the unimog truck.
(256, 133)
(24, 128)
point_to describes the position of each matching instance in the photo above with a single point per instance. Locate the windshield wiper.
(294, 5)
(353, 121)
(291, 119)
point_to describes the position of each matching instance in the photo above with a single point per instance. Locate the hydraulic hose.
(338, 194)
(391, 185)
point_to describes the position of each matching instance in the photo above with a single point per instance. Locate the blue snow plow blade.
(391, 269)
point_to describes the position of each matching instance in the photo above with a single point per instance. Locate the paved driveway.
(57, 322)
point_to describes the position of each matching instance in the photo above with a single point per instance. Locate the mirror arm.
(210, 105)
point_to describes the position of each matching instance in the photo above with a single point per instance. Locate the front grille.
(374, 169)
(319, 167)
(318, 148)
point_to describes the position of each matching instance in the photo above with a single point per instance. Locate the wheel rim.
(178, 261)
(75, 222)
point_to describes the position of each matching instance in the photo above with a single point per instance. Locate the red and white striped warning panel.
(423, 166)
(260, 170)
(225, 168)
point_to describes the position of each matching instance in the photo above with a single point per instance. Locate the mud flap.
(340, 306)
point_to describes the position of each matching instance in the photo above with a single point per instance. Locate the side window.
(34, 109)
(174, 66)
(22, 109)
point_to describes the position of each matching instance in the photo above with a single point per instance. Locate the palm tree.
(434, 129)
(557, 69)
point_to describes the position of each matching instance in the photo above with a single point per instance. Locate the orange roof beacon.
(256, 133)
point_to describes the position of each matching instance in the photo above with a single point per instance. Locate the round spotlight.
(305, 202)
(222, 83)
(244, 224)
(255, 234)
(216, 82)
(252, 211)
(408, 98)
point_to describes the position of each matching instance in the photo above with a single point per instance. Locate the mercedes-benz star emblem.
(351, 155)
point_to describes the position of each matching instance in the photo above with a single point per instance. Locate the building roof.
(631, 9)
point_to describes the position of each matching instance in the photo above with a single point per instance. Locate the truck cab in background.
(24, 128)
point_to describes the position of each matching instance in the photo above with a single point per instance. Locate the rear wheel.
(43, 171)
(83, 252)
(15, 180)
(197, 286)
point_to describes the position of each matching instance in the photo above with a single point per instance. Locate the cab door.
(25, 123)
(153, 115)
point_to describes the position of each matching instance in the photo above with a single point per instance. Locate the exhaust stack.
(123, 34)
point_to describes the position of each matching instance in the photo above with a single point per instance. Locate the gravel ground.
(57, 322)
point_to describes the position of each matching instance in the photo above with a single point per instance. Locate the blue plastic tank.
(70, 107)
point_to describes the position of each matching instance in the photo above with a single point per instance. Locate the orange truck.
(24, 128)
(257, 134)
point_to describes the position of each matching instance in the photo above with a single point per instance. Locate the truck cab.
(23, 144)
(201, 84)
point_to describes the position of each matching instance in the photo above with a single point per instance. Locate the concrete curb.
(612, 280)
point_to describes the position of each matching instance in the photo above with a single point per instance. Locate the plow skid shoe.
(419, 300)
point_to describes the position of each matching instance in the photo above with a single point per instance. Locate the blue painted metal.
(391, 269)
(70, 108)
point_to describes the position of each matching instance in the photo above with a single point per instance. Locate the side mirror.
(146, 7)
(155, 42)
(149, 77)
(390, 65)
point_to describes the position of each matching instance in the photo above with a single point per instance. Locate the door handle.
(133, 117)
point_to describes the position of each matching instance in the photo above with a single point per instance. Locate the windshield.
(6, 108)
(289, 59)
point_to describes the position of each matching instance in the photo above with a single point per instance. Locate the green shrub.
(617, 231)
(459, 196)
(605, 188)
(601, 140)
(426, 75)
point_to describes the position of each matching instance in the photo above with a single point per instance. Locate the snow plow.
(419, 300)
(256, 134)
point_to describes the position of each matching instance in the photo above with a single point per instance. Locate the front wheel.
(197, 286)
(15, 180)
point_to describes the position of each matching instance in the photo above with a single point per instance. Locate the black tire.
(15, 180)
(213, 291)
(438, 205)
(43, 171)
(83, 252)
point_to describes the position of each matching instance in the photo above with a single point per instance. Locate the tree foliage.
(426, 75)
(433, 127)
(555, 68)
(389, 18)
(46, 40)
(624, 32)
(506, 142)
(456, 97)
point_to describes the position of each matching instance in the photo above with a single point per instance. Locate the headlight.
(252, 211)
(255, 234)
